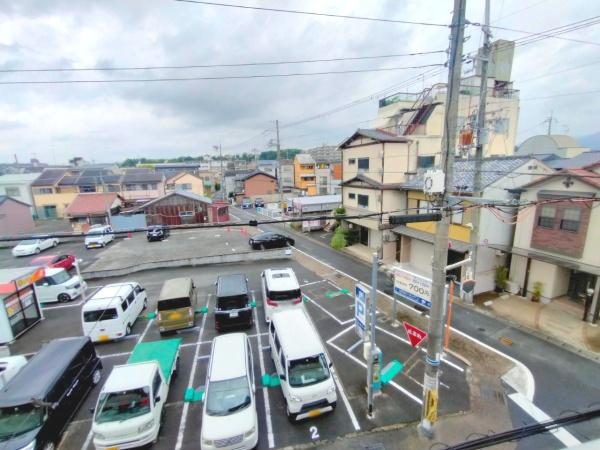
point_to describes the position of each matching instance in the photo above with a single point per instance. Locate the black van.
(234, 306)
(37, 404)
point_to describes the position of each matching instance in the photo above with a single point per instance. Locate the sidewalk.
(560, 320)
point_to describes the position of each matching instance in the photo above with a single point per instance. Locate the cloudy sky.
(112, 121)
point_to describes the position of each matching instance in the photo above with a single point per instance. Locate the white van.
(99, 236)
(59, 286)
(229, 418)
(280, 291)
(112, 311)
(303, 366)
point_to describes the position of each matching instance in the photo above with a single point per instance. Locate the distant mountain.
(591, 140)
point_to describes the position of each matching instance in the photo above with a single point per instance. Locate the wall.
(60, 200)
(259, 185)
(144, 194)
(421, 256)
(363, 148)
(197, 184)
(128, 222)
(23, 185)
(287, 175)
(15, 218)
(555, 279)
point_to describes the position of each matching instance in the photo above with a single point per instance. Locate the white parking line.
(270, 436)
(323, 309)
(313, 282)
(186, 405)
(540, 416)
(342, 392)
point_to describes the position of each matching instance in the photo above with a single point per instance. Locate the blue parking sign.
(361, 294)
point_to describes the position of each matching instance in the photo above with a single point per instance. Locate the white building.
(18, 186)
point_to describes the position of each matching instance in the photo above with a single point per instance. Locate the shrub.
(338, 240)
(501, 277)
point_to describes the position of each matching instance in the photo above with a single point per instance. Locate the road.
(564, 382)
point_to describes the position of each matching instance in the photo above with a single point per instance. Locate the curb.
(533, 332)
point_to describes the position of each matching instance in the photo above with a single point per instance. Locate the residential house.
(373, 170)
(93, 209)
(420, 116)
(15, 216)
(268, 166)
(556, 242)
(583, 159)
(255, 184)
(230, 178)
(33, 166)
(191, 167)
(184, 208)
(140, 187)
(561, 145)
(18, 186)
(286, 174)
(501, 179)
(304, 174)
(184, 181)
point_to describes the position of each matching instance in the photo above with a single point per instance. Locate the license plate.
(314, 413)
(175, 316)
(103, 338)
(233, 314)
(112, 448)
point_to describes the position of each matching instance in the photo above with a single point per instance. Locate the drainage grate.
(492, 395)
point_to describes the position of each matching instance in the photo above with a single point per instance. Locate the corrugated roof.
(244, 177)
(18, 178)
(584, 159)
(371, 182)
(149, 177)
(317, 199)
(185, 194)
(304, 158)
(492, 170)
(377, 135)
(91, 203)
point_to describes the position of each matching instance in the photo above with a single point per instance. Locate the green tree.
(338, 240)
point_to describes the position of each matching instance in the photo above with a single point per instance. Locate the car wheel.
(54, 244)
(37, 250)
(128, 330)
(103, 245)
(145, 303)
(263, 247)
(96, 376)
(291, 417)
(63, 298)
(49, 446)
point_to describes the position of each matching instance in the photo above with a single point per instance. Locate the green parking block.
(203, 310)
(270, 380)
(192, 395)
(391, 369)
(345, 291)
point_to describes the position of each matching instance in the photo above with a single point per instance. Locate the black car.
(157, 233)
(259, 202)
(269, 240)
(233, 307)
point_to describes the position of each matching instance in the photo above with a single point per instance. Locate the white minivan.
(112, 311)
(280, 291)
(99, 236)
(58, 285)
(229, 418)
(303, 366)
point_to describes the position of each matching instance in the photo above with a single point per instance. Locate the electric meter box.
(434, 182)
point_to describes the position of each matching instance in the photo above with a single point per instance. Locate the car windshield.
(95, 232)
(28, 242)
(227, 396)
(100, 314)
(60, 277)
(292, 294)
(123, 405)
(307, 371)
(15, 420)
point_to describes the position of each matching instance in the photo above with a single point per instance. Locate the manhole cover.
(376, 446)
(506, 341)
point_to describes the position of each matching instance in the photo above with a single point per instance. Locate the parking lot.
(331, 311)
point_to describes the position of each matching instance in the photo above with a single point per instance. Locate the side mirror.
(157, 399)
(282, 377)
(142, 289)
(330, 364)
(45, 284)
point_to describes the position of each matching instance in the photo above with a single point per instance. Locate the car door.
(132, 306)
(46, 243)
(43, 293)
(140, 297)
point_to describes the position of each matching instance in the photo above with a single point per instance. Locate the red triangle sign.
(415, 335)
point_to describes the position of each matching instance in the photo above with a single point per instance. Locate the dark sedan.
(157, 233)
(269, 240)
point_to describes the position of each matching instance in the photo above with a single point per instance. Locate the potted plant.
(501, 278)
(536, 293)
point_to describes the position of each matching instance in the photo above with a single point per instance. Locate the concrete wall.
(15, 218)
(421, 254)
(554, 279)
(259, 185)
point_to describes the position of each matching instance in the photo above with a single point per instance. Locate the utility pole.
(278, 168)
(481, 139)
(218, 147)
(440, 250)
(549, 120)
(373, 364)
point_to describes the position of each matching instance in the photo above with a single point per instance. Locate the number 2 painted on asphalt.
(314, 432)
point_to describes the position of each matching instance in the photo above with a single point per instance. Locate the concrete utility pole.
(481, 139)
(278, 168)
(218, 147)
(440, 250)
(549, 120)
(373, 370)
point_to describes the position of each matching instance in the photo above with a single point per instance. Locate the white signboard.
(361, 296)
(413, 287)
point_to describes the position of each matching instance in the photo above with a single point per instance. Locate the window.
(425, 162)
(43, 191)
(323, 180)
(424, 207)
(363, 200)
(546, 218)
(130, 298)
(282, 361)
(186, 186)
(12, 191)
(352, 161)
(186, 213)
(88, 188)
(144, 187)
(351, 195)
(277, 344)
(363, 163)
(153, 186)
(571, 219)
(124, 305)
(156, 384)
(113, 188)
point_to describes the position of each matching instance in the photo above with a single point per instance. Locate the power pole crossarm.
(481, 138)
(440, 250)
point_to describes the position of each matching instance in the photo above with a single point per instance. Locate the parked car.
(246, 203)
(99, 236)
(280, 291)
(58, 285)
(112, 311)
(157, 233)
(269, 240)
(67, 262)
(33, 246)
(259, 202)
(229, 415)
(38, 403)
(176, 305)
(9, 367)
(233, 302)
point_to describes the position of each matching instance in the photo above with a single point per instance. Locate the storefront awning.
(12, 280)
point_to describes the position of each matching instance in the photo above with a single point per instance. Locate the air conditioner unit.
(434, 182)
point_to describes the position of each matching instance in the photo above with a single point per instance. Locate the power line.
(555, 36)
(204, 66)
(567, 94)
(519, 10)
(230, 77)
(312, 13)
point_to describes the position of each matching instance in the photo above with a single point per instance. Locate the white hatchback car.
(33, 246)
(99, 236)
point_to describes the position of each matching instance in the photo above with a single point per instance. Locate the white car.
(58, 285)
(33, 246)
(99, 236)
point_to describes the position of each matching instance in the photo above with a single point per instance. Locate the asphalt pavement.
(564, 381)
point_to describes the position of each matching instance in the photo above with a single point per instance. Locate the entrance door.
(22, 310)
(579, 282)
(364, 236)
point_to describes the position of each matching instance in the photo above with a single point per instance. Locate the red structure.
(184, 208)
